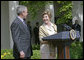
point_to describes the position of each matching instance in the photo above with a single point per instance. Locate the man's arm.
(15, 34)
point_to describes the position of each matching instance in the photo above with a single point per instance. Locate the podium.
(62, 40)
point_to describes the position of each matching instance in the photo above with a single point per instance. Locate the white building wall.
(12, 15)
(77, 13)
(8, 14)
(50, 7)
(5, 35)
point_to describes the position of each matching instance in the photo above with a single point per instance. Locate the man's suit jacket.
(21, 38)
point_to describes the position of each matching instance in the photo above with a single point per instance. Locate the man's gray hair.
(20, 9)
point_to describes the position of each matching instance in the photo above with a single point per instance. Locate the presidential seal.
(72, 34)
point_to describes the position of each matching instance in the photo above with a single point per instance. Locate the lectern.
(63, 40)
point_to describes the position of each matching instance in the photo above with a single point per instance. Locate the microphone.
(68, 28)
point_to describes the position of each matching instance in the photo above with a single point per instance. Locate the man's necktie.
(24, 23)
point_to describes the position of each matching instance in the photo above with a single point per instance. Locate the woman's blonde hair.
(48, 13)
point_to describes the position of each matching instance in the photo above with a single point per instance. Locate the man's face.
(76, 22)
(25, 13)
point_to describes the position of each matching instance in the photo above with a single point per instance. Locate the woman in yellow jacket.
(47, 50)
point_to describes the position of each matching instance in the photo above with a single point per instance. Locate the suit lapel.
(23, 27)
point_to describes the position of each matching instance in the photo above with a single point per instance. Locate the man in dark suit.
(36, 33)
(77, 27)
(21, 35)
(30, 29)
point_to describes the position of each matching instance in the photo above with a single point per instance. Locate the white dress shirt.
(21, 19)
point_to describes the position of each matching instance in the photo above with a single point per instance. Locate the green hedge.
(7, 54)
(36, 54)
(76, 52)
(35, 47)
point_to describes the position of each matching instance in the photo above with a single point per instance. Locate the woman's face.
(46, 19)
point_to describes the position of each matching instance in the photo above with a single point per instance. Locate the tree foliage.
(34, 6)
(64, 12)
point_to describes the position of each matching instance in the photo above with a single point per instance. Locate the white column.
(5, 35)
(12, 15)
(50, 7)
(77, 13)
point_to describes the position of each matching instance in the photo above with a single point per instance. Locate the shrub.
(35, 47)
(8, 54)
(36, 54)
(76, 50)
